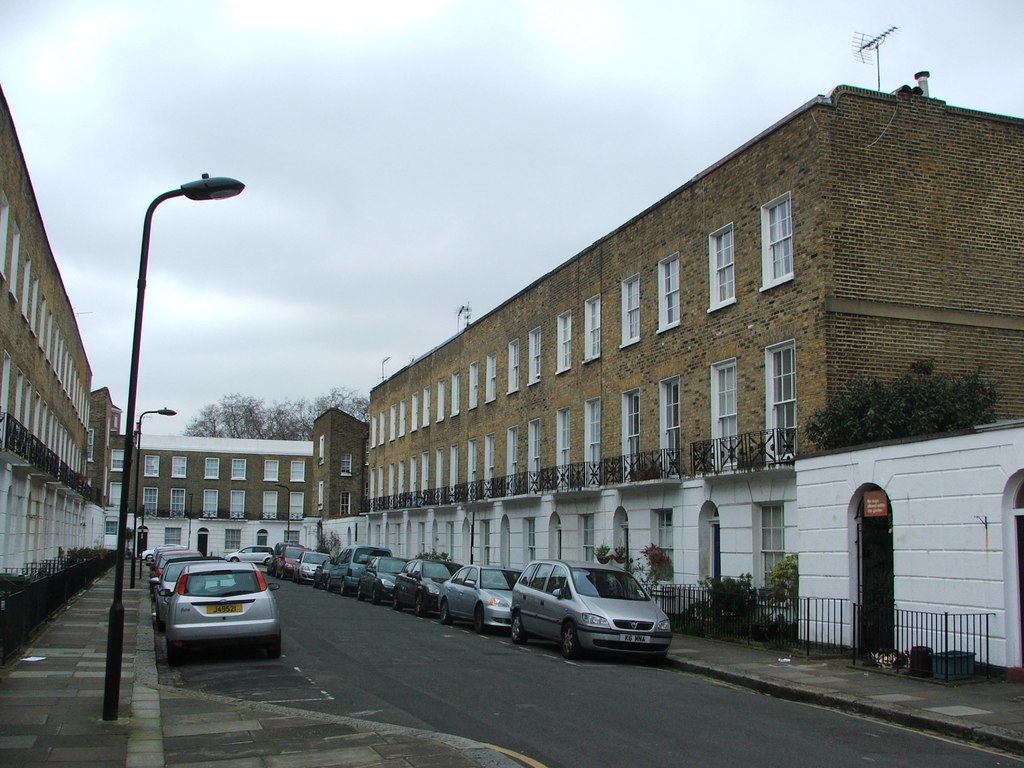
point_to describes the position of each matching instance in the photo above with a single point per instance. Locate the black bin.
(920, 662)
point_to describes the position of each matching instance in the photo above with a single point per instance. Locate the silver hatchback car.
(221, 604)
(588, 607)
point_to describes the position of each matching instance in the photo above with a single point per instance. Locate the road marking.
(515, 755)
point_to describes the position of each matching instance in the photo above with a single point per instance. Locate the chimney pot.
(922, 81)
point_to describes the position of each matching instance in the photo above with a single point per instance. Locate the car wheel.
(443, 613)
(274, 650)
(420, 608)
(266, 563)
(570, 641)
(519, 635)
(395, 605)
(233, 560)
(359, 594)
(342, 588)
(478, 619)
(175, 655)
(375, 595)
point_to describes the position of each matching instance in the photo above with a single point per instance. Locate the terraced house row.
(653, 387)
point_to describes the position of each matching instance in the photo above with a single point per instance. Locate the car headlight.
(593, 620)
(664, 625)
(433, 589)
(389, 583)
(497, 602)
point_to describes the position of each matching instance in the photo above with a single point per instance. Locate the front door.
(876, 583)
(202, 541)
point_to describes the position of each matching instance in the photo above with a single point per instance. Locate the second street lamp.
(138, 449)
(205, 188)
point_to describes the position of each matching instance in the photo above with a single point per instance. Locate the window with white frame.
(110, 527)
(414, 416)
(440, 400)
(149, 500)
(380, 427)
(439, 468)
(513, 365)
(298, 473)
(15, 252)
(456, 393)
(271, 469)
(392, 422)
(489, 457)
(177, 502)
(269, 505)
(237, 502)
(564, 342)
(414, 477)
(530, 538)
(401, 418)
(453, 467)
(238, 467)
(592, 328)
(665, 533)
(721, 267)
(5, 223)
(471, 460)
(474, 385)
(296, 502)
(780, 372)
(172, 535)
(211, 469)
(345, 503)
(425, 470)
(773, 538)
(151, 466)
(211, 499)
(592, 430)
(114, 494)
(491, 378)
(631, 310)
(668, 292)
(485, 542)
(670, 439)
(426, 407)
(90, 444)
(723, 399)
(346, 464)
(534, 362)
(562, 437)
(179, 466)
(232, 539)
(321, 445)
(116, 460)
(587, 537)
(631, 422)
(512, 451)
(533, 446)
(320, 495)
(776, 242)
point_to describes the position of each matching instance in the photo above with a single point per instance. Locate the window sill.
(669, 327)
(560, 371)
(629, 343)
(722, 305)
(781, 281)
(588, 360)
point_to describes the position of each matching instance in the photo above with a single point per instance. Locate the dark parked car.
(321, 574)
(347, 567)
(418, 585)
(378, 579)
(286, 559)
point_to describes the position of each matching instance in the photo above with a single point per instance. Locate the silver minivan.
(588, 607)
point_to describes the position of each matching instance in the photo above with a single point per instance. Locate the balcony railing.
(747, 452)
(18, 440)
(218, 514)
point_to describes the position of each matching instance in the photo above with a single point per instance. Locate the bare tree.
(245, 416)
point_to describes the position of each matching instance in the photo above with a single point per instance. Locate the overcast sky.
(402, 159)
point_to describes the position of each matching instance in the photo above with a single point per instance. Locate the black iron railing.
(17, 439)
(744, 453)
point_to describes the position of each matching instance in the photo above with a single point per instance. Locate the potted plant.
(603, 553)
(620, 555)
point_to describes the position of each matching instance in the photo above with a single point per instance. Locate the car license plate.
(635, 638)
(226, 608)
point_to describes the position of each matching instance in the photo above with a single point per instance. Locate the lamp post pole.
(201, 189)
(135, 518)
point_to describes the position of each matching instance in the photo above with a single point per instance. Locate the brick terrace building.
(652, 387)
(45, 499)
(339, 464)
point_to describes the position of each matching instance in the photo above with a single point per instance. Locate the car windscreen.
(293, 553)
(221, 584)
(390, 565)
(436, 571)
(607, 583)
(174, 569)
(364, 556)
(314, 557)
(493, 578)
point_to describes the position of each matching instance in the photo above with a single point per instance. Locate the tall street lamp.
(205, 188)
(288, 513)
(135, 517)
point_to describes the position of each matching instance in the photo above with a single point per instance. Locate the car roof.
(580, 564)
(207, 567)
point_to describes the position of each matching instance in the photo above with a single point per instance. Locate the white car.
(221, 604)
(254, 554)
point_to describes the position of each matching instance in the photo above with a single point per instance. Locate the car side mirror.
(470, 583)
(273, 586)
(166, 592)
(154, 581)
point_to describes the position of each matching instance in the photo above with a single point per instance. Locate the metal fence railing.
(807, 624)
(31, 595)
(947, 646)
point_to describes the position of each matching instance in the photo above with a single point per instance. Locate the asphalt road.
(349, 658)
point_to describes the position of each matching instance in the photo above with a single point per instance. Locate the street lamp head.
(167, 412)
(215, 188)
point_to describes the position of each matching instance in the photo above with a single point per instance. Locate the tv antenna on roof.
(463, 312)
(865, 48)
